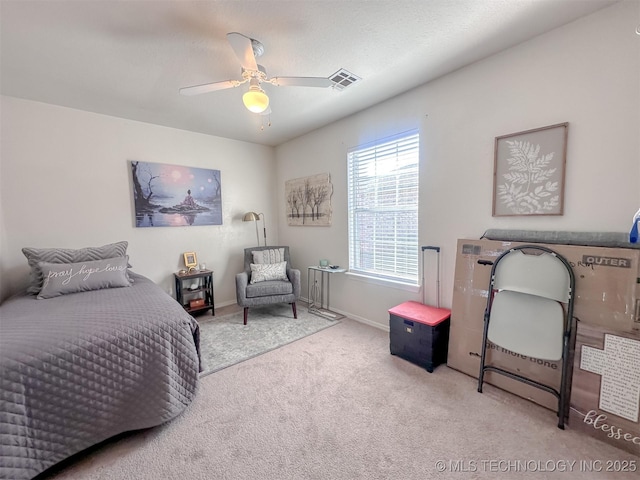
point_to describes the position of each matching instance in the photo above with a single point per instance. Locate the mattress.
(80, 368)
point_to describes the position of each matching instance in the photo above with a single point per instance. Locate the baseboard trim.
(355, 317)
(226, 304)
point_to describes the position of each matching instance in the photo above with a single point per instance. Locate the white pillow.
(261, 272)
(270, 255)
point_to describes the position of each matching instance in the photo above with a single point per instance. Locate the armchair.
(283, 289)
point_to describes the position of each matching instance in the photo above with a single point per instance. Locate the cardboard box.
(607, 293)
(464, 355)
(607, 286)
(605, 396)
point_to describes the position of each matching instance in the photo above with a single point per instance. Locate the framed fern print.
(529, 170)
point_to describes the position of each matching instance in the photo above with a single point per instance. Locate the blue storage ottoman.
(419, 333)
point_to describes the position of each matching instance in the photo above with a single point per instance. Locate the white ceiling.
(129, 58)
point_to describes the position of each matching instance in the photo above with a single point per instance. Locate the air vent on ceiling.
(343, 78)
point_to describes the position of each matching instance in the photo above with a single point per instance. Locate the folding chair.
(530, 312)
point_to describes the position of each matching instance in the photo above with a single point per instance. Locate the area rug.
(225, 341)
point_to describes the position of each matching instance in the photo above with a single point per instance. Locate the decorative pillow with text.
(66, 256)
(63, 278)
(262, 272)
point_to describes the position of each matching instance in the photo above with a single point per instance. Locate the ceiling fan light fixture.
(255, 99)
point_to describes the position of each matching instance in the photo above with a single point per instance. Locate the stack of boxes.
(605, 392)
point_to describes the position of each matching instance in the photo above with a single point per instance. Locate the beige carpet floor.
(337, 405)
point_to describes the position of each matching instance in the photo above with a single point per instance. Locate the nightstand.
(194, 291)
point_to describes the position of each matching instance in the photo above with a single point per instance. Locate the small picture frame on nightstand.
(190, 260)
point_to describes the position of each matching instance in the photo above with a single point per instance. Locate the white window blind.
(383, 208)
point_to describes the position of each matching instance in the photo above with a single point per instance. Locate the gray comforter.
(80, 368)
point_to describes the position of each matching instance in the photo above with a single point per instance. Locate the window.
(383, 208)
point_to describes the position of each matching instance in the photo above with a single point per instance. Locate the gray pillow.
(62, 278)
(67, 255)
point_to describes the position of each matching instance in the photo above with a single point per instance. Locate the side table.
(316, 293)
(194, 291)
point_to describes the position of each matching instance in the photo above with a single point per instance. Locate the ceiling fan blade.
(208, 87)
(244, 51)
(301, 82)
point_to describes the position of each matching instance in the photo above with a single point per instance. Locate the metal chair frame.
(561, 395)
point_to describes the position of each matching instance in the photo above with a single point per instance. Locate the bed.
(79, 368)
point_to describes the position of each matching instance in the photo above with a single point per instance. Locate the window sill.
(407, 287)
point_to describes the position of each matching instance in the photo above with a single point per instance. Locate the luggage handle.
(424, 287)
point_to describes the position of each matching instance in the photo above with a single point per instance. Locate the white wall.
(65, 181)
(586, 73)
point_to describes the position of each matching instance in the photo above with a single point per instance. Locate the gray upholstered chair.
(269, 291)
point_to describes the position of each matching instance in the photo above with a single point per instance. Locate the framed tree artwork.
(529, 172)
(309, 200)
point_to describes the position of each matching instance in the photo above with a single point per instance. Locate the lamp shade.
(250, 217)
(254, 217)
(255, 99)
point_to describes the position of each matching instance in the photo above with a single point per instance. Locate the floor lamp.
(254, 217)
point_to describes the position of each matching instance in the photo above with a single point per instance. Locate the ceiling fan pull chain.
(268, 121)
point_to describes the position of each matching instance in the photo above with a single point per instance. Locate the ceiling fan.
(255, 99)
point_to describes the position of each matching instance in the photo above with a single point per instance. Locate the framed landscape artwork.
(175, 195)
(309, 200)
(529, 171)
